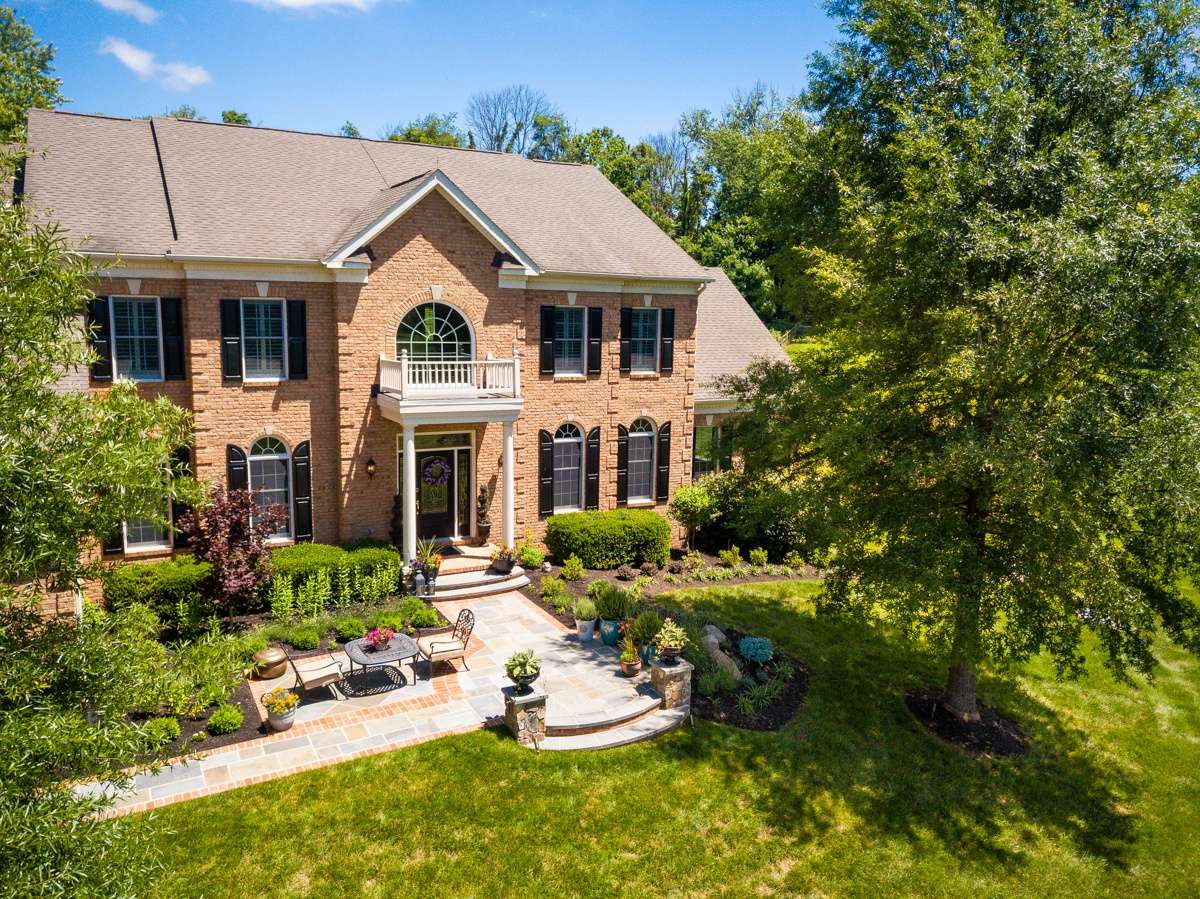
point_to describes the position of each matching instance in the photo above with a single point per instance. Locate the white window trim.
(242, 322)
(112, 330)
(657, 344)
(291, 499)
(133, 549)
(583, 346)
(640, 500)
(582, 441)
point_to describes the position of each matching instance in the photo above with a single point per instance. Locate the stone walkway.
(582, 681)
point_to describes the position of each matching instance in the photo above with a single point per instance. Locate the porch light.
(371, 467)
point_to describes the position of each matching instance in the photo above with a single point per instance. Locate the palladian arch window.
(568, 468)
(434, 332)
(269, 480)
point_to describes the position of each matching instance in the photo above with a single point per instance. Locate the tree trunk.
(960, 690)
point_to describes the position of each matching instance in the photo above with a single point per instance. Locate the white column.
(509, 475)
(410, 492)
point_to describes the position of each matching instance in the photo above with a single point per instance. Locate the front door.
(436, 492)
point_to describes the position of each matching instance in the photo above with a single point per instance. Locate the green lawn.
(850, 799)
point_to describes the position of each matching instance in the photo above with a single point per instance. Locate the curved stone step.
(478, 583)
(644, 728)
(569, 725)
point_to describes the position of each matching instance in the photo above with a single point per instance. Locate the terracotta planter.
(269, 663)
(629, 669)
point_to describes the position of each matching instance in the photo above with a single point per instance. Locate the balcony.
(435, 392)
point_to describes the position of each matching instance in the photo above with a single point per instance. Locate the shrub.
(694, 507)
(551, 587)
(348, 629)
(756, 649)
(757, 697)
(304, 636)
(160, 731)
(730, 558)
(693, 561)
(572, 569)
(410, 613)
(675, 567)
(175, 590)
(626, 573)
(671, 634)
(612, 603)
(637, 589)
(224, 720)
(794, 560)
(716, 681)
(758, 510)
(312, 577)
(529, 555)
(758, 557)
(649, 569)
(604, 540)
(585, 609)
(646, 627)
(202, 673)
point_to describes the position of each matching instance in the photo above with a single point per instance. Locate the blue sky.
(313, 64)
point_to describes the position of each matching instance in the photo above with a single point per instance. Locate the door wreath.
(435, 472)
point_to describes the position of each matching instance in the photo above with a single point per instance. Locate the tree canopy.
(26, 75)
(439, 130)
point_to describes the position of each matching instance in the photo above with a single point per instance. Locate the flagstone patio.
(582, 682)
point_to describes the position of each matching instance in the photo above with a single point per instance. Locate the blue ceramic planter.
(610, 631)
(648, 653)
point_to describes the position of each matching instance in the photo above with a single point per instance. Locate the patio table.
(399, 648)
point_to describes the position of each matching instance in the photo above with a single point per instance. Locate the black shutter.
(115, 542)
(545, 473)
(297, 341)
(231, 340)
(663, 484)
(622, 465)
(302, 487)
(235, 468)
(595, 332)
(181, 465)
(172, 337)
(591, 490)
(546, 355)
(626, 335)
(666, 342)
(100, 327)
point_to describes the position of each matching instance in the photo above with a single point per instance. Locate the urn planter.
(610, 631)
(281, 721)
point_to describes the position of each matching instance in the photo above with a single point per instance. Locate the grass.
(852, 798)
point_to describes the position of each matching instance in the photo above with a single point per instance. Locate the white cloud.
(360, 5)
(179, 76)
(136, 8)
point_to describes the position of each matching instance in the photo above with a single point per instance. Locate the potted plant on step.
(612, 605)
(671, 639)
(523, 669)
(483, 523)
(502, 560)
(280, 704)
(585, 619)
(429, 557)
(631, 662)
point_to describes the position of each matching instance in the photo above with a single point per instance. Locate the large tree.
(439, 130)
(998, 429)
(505, 119)
(26, 75)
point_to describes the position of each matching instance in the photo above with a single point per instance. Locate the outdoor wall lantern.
(371, 467)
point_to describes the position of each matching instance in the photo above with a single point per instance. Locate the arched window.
(269, 479)
(641, 461)
(568, 468)
(434, 332)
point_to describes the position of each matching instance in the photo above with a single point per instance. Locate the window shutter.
(181, 464)
(302, 488)
(231, 340)
(235, 468)
(545, 473)
(297, 341)
(100, 327)
(663, 484)
(591, 490)
(115, 543)
(666, 342)
(595, 332)
(546, 357)
(626, 336)
(622, 465)
(172, 338)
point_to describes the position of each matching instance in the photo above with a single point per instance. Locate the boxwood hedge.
(609, 539)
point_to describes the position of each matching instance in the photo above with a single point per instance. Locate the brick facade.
(430, 253)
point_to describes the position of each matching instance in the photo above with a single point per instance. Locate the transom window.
(434, 332)
(568, 468)
(568, 340)
(269, 479)
(641, 461)
(264, 340)
(643, 343)
(137, 349)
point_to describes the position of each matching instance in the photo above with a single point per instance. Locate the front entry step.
(466, 584)
(644, 728)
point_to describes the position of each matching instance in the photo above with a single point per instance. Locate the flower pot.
(281, 722)
(523, 681)
(270, 663)
(587, 630)
(502, 566)
(483, 530)
(629, 669)
(610, 631)
(647, 653)
(668, 655)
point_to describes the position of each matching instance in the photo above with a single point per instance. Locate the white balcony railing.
(458, 379)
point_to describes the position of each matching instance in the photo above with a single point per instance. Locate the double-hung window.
(269, 481)
(264, 340)
(643, 343)
(568, 469)
(641, 461)
(568, 340)
(145, 534)
(137, 338)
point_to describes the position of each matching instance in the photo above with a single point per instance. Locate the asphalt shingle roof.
(729, 335)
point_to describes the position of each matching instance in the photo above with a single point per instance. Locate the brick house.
(369, 332)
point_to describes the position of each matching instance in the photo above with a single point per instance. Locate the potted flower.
(585, 619)
(430, 558)
(671, 640)
(631, 662)
(378, 638)
(281, 705)
(503, 559)
(523, 669)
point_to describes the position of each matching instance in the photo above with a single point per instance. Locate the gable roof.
(729, 336)
(237, 192)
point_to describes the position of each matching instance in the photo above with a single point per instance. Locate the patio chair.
(317, 671)
(444, 647)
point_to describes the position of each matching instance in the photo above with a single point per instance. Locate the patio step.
(645, 728)
(465, 584)
(573, 725)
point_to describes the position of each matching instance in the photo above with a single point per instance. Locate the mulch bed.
(253, 727)
(992, 735)
(722, 707)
